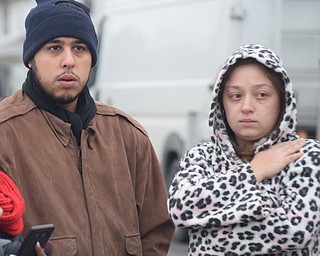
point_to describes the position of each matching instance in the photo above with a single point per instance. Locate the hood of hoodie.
(287, 125)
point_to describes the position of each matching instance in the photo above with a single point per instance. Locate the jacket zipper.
(80, 159)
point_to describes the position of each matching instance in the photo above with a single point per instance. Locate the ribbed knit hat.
(58, 18)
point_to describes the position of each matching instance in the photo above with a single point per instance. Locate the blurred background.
(158, 60)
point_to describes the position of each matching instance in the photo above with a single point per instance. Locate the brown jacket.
(107, 199)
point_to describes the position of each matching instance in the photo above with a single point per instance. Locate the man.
(86, 167)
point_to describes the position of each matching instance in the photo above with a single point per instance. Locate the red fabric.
(12, 205)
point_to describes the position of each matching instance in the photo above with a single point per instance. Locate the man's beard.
(63, 100)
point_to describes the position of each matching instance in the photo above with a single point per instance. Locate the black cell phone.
(39, 233)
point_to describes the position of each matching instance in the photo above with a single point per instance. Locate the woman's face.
(251, 103)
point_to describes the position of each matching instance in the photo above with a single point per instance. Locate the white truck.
(158, 61)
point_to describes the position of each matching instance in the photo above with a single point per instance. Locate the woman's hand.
(271, 161)
(39, 250)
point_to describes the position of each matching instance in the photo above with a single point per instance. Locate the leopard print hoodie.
(227, 212)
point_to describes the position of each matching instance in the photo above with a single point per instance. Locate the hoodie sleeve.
(203, 197)
(281, 214)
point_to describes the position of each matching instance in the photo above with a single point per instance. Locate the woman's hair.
(275, 78)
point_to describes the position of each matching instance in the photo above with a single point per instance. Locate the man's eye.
(54, 48)
(79, 48)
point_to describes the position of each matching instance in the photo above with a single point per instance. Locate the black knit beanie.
(58, 18)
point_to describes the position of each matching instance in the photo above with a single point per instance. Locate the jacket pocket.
(64, 246)
(133, 244)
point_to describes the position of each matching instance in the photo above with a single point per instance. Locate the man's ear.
(30, 64)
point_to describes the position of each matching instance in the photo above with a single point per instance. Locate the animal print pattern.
(226, 211)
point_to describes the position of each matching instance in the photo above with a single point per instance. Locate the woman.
(11, 223)
(254, 189)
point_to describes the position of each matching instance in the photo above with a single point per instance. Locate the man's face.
(62, 68)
